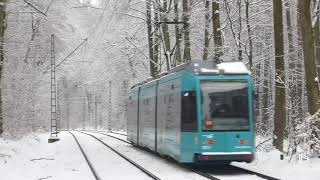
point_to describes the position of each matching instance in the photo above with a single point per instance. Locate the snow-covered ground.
(270, 163)
(267, 161)
(33, 158)
(163, 168)
(108, 164)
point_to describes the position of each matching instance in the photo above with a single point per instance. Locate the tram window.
(188, 112)
(171, 98)
(146, 101)
(225, 106)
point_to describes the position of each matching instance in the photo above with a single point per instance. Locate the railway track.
(206, 175)
(95, 174)
(118, 133)
(106, 134)
(124, 157)
(255, 173)
(200, 172)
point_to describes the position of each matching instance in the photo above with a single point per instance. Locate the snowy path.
(32, 158)
(158, 166)
(165, 169)
(108, 164)
(62, 159)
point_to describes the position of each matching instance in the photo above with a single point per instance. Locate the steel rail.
(119, 133)
(105, 133)
(200, 172)
(206, 175)
(95, 174)
(255, 173)
(124, 157)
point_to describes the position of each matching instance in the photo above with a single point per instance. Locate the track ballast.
(95, 174)
(205, 174)
(124, 157)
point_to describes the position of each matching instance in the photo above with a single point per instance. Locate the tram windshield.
(224, 105)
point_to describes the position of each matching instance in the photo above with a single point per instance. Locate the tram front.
(225, 105)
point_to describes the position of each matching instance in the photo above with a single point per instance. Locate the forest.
(103, 47)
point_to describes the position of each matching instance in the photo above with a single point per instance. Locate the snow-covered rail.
(95, 174)
(206, 175)
(118, 133)
(124, 157)
(199, 171)
(109, 134)
(264, 176)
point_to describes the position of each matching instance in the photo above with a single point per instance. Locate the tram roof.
(206, 68)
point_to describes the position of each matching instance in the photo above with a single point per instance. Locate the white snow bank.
(234, 67)
(270, 163)
(33, 158)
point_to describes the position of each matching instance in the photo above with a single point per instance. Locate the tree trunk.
(156, 39)
(150, 40)
(206, 31)
(280, 103)
(300, 77)
(316, 31)
(265, 112)
(216, 28)
(240, 30)
(2, 28)
(186, 30)
(293, 95)
(308, 54)
(250, 54)
(165, 33)
(177, 33)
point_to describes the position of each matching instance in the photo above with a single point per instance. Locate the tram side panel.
(132, 119)
(168, 122)
(147, 116)
(189, 121)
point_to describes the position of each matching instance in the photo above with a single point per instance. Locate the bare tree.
(206, 30)
(316, 31)
(309, 54)
(250, 52)
(156, 36)
(216, 28)
(177, 33)
(150, 39)
(280, 100)
(165, 32)
(293, 96)
(186, 30)
(2, 28)
(239, 3)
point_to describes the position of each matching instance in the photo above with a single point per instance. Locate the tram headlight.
(209, 122)
(243, 141)
(210, 71)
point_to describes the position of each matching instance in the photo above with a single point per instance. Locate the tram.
(199, 112)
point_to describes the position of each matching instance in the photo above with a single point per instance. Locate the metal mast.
(84, 114)
(54, 124)
(95, 113)
(58, 111)
(110, 107)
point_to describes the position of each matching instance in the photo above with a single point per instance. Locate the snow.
(163, 168)
(270, 163)
(158, 166)
(107, 163)
(234, 67)
(33, 158)
(62, 159)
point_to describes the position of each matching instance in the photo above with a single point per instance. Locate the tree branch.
(29, 4)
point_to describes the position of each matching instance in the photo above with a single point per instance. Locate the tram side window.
(188, 112)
